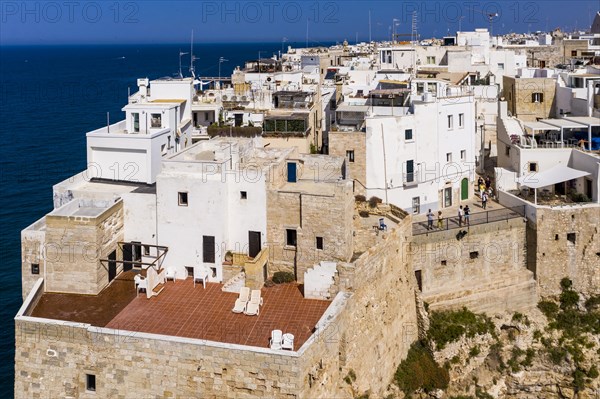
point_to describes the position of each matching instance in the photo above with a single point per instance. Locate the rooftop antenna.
(414, 32)
(369, 26)
(192, 58)
(490, 17)
(307, 32)
(180, 54)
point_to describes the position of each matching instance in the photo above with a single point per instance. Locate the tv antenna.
(180, 54)
(489, 16)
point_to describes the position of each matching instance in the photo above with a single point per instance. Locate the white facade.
(441, 156)
(225, 198)
(156, 124)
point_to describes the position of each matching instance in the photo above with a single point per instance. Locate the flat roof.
(585, 120)
(168, 100)
(352, 108)
(563, 123)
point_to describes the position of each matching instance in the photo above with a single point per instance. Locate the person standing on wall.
(467, 214)
(430, 220)
(460, 216)
(440, 223)
(484, 199)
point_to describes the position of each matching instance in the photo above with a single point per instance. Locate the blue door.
(291, 172)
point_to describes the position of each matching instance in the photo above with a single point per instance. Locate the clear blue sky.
(107, 22)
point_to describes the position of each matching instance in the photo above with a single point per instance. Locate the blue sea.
(49, 98)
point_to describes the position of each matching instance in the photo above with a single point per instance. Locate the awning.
(539, 126)
(556, 174)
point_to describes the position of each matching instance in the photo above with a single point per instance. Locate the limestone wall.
(555, 254)
(33, 240)
(485, 271)
(74, 247)
(380, 317)
(53, 359)
(339, 143)
(518, 93)
(312, 215)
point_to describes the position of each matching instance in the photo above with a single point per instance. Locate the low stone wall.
(33, 248)
(485, 270)
(53, 358)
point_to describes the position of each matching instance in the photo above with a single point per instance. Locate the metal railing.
(474, 219)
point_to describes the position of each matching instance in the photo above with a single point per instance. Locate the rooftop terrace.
(186, 311)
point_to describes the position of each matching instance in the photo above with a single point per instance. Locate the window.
(319, 242)
(507, 151)
(408, 135)
(208, 249)
(420, 87)
(243, 195)
(155, 120)
(90, 382)
(450, 122)
(350, 155)
(537, 97)
(444, 263)
(416, 205)
(556, 237)
(500, 66)
(146, 250)
(573, 53)
(190, 271)
(35, 268)
(430, 59)
(449, 157)
(136, 122)
(410, 171)
(183, 198)
(290, 237)
(473, 255)
(461, 120)
(163, 149)
(463, 155)
(533, 166)
(571, 237)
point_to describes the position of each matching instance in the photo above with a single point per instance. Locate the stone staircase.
(235, 283)
(319, 279)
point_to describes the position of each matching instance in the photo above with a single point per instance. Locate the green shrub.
(420, 371)
(449, 326)
(568, 299)
(566, 283)
(283, 277)
(548, 308)
(474, 351)
(592, 303)
(363, 214)
(528, 361)
(556, 354)
(360, 198)
(593, 372)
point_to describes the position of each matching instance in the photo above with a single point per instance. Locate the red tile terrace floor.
(194, 312)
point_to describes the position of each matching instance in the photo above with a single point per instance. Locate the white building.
(422, 156)
(157, 123)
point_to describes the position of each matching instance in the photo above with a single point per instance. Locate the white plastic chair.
(242, 301)
(140, 284)
(200, 273)
(276, 339)
(170, 273)
(288, 342)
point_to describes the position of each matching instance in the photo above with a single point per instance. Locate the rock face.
(517, 364)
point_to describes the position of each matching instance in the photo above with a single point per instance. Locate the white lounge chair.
(288, 341)
(253, 307)
(170, 273)
(242, 301)
(200, 273)
(276, 339)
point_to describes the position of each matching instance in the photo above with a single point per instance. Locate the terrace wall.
(484, 271)
(33, 240)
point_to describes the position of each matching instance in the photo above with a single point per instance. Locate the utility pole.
(221, 60)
